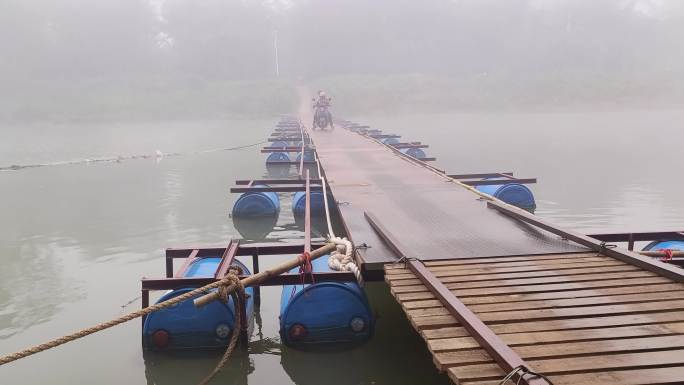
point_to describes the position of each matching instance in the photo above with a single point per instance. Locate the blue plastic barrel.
(308, 156)
(390, 140)
(299, 203)
(257, 204)
(659, 245)
(512, 193)
(279, 144)
(278, 157)
(186, 326)
(326, 312)
(414, 152)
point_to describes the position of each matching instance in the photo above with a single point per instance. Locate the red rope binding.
(305, 266)
(668, 255)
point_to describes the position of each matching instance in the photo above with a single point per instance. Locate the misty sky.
(633, 44)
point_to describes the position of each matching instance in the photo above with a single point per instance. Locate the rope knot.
(230, 283)
(668, 255)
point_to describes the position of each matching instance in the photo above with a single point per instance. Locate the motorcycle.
(322, 116)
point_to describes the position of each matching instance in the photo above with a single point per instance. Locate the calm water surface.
(77, 238)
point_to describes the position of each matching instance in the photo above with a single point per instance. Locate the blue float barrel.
(278, 157)
(390, 140)
(659, 245)
(326, 312)
(514, 194)
(414, 152)
(308, 156)
(299, 203)
(186, 326)
(257, 204)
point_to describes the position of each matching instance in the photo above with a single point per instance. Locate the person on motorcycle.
(323, 104)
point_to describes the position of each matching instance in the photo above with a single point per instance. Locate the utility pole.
(275, 49)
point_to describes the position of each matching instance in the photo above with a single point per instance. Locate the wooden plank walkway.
(578, 318)
(433, 215)
(491, 289)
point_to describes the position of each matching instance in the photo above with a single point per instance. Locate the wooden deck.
(578, 318)
(492, 288)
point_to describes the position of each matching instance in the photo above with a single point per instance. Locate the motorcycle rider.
(324, 103)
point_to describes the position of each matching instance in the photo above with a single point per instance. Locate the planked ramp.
(578, 318)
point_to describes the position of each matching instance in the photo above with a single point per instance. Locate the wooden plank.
(477, 269)
(585, 301)
(515, 339)
(464, 283)
(566, 312)
(407, 299)
(507, 259)
(520, 264)
(567, 349)
(663, 290)
(660, 376)
(474, 263)
(539, 288)
(498, 275)
(595, 363)
(549, 325)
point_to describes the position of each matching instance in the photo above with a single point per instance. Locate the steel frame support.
(504, 356)
(646, 263)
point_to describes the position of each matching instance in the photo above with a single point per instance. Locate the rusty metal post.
(244, 338)
(255, 270)
(169, 266)
(630, 242)
(145, 299)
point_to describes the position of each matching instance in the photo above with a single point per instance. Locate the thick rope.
(227, 281)
(341, 259)
(239, 300)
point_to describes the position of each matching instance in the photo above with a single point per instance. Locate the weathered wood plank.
(660, 376)
(539, 288)
(489, 275)
(568, 349)
(594, 363)
(558, 313)
(596, 292)
(559, 303)
(507, 259)
(515, 339)
(493, 281)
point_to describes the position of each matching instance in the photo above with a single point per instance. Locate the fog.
(170, 59)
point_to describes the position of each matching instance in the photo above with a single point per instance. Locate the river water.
(82, 227)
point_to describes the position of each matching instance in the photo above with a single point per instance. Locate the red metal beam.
(491, 182)
(646, 263)
(279, 280)
(307, 216)
(481, 175)
(504, 356)
(227, 259)
(276, 181)
(186, 263)
(239, 190)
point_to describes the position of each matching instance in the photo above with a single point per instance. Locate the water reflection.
(254, 229)
(191, 367)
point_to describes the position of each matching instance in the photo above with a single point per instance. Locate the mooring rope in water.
(239, 298)
(227, 281)
(157, 155)
(117, 321)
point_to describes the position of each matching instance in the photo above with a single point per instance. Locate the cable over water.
(157, 155)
